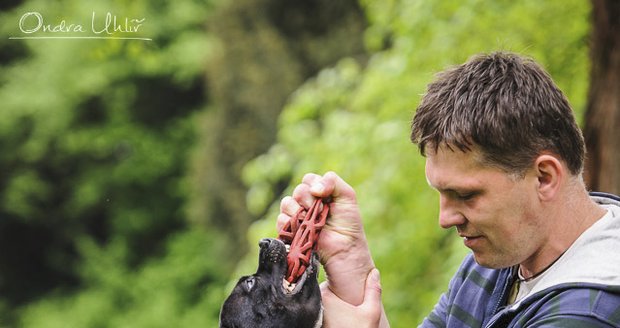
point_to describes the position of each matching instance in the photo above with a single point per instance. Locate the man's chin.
(491, 262)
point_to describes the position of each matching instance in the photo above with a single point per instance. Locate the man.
(505, 154)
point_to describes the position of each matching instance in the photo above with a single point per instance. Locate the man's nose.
(449, 215)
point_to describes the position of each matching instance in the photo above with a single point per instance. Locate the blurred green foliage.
(181, 289)
(124, 186)
(267, 48)
(97, 136)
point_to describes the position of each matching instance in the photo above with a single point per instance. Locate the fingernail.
(317, 188)
(375, 275)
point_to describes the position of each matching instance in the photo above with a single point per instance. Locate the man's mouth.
(471, 241)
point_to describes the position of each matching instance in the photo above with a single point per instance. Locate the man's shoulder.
(582, 298)
(569, 302)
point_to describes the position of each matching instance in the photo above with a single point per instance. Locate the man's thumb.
(373, 287)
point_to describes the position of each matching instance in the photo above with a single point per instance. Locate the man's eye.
(466, 196)
(249, 283)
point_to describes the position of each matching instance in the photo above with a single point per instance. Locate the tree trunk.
(602, 120)
(268, 49)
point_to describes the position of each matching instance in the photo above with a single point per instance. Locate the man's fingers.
(339, 313)
(317, 186)
(372, 297)
(289, 206)
(282, 220)
(324, 287)
(310, 178)
(302, 195)
(372, 306)
(372, 294)
(327, 296)
(333, 185)
(323, 186)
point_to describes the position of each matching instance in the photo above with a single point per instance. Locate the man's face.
(495, 213)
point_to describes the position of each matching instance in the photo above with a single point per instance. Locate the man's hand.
(340, 314)
(342, 245)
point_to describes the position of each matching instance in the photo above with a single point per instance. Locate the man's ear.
(550, 173)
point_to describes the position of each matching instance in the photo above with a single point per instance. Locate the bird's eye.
(249, 283)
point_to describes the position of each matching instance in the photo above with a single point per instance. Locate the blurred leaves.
(181, 289)
(96, 136)
(265, 50)
(25, 189)
(98, 185)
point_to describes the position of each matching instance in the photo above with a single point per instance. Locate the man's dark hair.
(505, 105)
